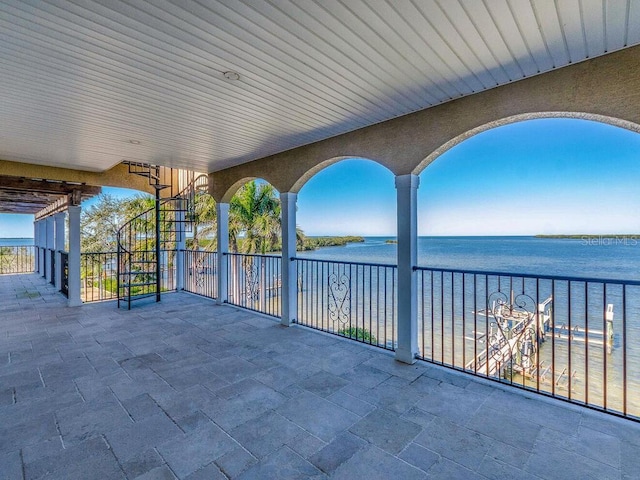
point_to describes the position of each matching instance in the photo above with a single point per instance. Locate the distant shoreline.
(588, 236)
(316, 242)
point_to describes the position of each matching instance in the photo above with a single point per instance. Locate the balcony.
(188, 389)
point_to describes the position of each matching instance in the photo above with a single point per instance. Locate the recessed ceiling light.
(230, 75)
(134, 142)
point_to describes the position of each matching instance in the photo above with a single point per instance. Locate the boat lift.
(516, 334)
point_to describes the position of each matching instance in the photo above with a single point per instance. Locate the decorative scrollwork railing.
(255, 282)
(355, 300)
(549, 334)
(339, 297)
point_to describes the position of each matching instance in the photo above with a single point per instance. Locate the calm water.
(15, 241)
(451, 332)
(599, 257)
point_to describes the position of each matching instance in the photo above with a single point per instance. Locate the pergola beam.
(45, 186)
(40, 196)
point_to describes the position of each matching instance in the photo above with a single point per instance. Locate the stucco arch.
(523, 117)
(309, 174)
(607, 87)
(231, 191)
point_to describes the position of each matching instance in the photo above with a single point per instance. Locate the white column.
(50, 245)
(407, 187)
(74, 256)
(180, 246)
(222, 232)
(289, 274)
(59, 246)
(42, 243)
(36, 242)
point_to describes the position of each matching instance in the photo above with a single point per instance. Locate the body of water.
(457, 313)
(599, 257)
(5, 242)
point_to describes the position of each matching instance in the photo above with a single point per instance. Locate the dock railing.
(17, 259)
(576, 339)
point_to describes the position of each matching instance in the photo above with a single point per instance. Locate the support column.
(407, 190)
(74, 256)
(59, 246)
(157, 246)
(50, 246)
(42, 242)
(289, 274)
(36, 243)
(222, 232)
(180, 246)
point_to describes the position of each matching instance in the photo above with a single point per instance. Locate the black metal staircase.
(144, 239)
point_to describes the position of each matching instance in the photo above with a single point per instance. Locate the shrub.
(357, 333)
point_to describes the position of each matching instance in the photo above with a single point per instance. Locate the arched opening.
(254, 218)
(348, 214)
(532, 178)
(523, 226)
(254, 267)
(616, 122)
(353, 197)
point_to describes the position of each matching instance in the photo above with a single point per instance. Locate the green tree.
(140, 210)
(204, 222)
(99, 224)
(139, 204)
(254, 219)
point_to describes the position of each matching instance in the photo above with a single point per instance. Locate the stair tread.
(136, 297)
(137, 273)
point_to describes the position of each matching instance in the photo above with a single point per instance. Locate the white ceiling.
(79, 79)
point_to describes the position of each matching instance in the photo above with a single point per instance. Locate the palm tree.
(204, 221)
(254, 215)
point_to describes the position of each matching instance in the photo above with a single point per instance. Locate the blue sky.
(544, 176)
(539, 176)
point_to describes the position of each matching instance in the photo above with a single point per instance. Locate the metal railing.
(354, 300)
(571, 338)
(52, 264)
(17, 259)
(98, 276)
(200, 272)
(255, 282)
(576, 339)
(64, 287)
(98, 273)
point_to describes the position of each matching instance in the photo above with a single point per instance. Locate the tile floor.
(187, 389)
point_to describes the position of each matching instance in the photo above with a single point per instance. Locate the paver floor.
(187, 389)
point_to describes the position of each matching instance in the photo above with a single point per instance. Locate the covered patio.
(186, 388)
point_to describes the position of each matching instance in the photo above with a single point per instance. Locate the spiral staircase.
(146, 241)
